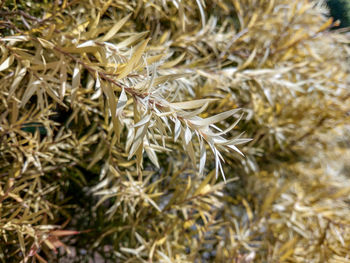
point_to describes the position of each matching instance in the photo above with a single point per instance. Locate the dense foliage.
(173, 131)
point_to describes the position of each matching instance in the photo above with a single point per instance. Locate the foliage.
(165, 131)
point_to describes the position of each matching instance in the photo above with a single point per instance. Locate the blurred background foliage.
(174, 131)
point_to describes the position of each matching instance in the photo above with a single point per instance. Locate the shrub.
(205, 131)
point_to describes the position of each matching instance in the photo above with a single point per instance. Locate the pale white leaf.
(96, 94)
(75, 81)
(188, 135)
(201, 11)
(238, 141)
(140, 133)
(268, 96)
(235, 149)
(123, 99)
(177, 129)
(6, 63)
(151, 202)
(226, 130)
(89, 43)
(146, 119)
(202, 157)
(15, 38)
(152, 156)
(214, 119)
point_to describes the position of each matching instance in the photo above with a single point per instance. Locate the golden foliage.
(117, 118)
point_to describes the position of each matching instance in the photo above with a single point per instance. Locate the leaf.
(201, 11)
(232, 126)
(45, 43)
(111, 33)
(188, 135)
(152, 156)
(249, 60)
(138, 139)
(31, 88)
(235, 149)
(131, 40)
(148, 199)
(162, 79)
(52, 93)
(91, 34)
(218, 165)
(108, 91)
(146, 119)
(214, 119)
(121, 102)
(20, 75)
(235, 141)
(80, 28)
(135, 252)
(294, 39)
(75, 81)
(21, 242)
(193, 114)
(153, 59)
(203, 156)
(187, 105)
(15, 38)
(177, 129)
(98, 90)
(63, 78)
(98, 155)
(6, 63)
(173, 63)
(204, 183)
(135, 58)
(89, 43)
(87, 49)
(326, 25)
(161, 241)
